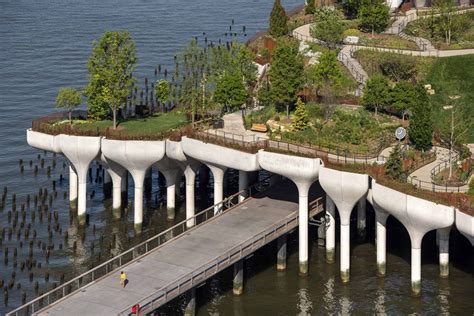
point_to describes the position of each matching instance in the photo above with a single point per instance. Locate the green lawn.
(453, 76)
(158, 123)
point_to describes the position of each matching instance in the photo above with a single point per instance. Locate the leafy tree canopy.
(328, 26)
(301, 121)
(376, 94)
(110, 73)
(68, 99)
(421, 124)
(278, 21)
(374, 15)
(230, 90)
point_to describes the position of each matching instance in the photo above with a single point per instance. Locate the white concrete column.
(416, 271)
(281, 253)
(345, 252)
(331, 230)
(82, 200)
(381, 240)
(238, 282)
(218, 174)
(138, 207)
(72, 187)
(442, 235)
(117, 195)
(171, 177)
(243, 185)
(190, 174)
(361, 217)
(303, 189)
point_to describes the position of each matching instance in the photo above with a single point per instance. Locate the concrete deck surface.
(175, 259)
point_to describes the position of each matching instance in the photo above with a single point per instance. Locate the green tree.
(68, 99)
(326, 76)
(230, 90)
(264, 94)
(447, 19)
(278, 21)
(162, 91)
(328, 26)
(301, 116)
(286, 73)
(376, 94)
(374, 15)
(394, 165)
(310, 7)
(402, 97)
(247, 67)
(421, 125)
(110, 71)
(351, 7)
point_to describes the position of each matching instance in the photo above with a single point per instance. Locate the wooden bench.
(259, 128)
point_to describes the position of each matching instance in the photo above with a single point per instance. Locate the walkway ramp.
(190, 258)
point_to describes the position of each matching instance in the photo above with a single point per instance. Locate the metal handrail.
(63, 289)
(222, 258)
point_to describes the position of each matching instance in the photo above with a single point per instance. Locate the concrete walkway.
(189, 252)
(234, 128)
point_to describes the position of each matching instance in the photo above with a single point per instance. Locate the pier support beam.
(72, 187)
(243, 185)
(218, 174)
(345, 252)
(190, 309)
(171, 176)
(303, 189)
(331, 230)
(190, 175)
(238, 283)
(442, 235)
(281, 253)
(416, 271)
(381, 240)
(361, 217)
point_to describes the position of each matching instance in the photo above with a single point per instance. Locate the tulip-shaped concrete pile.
(303, 172)
(80, 151)
(137, 157)
(345, 189)
(418, 216)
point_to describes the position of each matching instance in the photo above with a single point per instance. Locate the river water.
(44, 45)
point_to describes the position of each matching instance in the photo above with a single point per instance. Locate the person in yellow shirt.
(123, 279)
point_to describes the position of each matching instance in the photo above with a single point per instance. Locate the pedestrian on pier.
(123, 279)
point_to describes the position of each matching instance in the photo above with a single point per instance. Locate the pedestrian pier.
(185, 260)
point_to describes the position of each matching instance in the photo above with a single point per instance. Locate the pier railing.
(126, 257)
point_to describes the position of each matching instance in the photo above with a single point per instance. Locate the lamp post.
(451, 138)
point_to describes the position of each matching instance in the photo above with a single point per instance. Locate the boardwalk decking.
(203, 251)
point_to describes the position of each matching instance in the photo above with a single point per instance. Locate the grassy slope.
(160, 122)
(453, 76)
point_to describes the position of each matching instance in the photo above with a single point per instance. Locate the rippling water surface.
(44, 45)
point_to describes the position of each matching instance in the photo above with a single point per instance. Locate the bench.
(259, 128)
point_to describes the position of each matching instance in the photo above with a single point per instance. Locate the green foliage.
(394, 165)
(247, 67)
(376, 93)
(110, 73)
(374, 15)
(286, 73)
(326, 73)
(351, 7)
(301, 121)
(260, 116)
(470, 192)
(421, 125)
(398, 67)
(264, 95)
(449, 29)
(230, 90)
(68, 99)
(162, 90)
(402, 96)
(278, 21)
(328, 27)
(310, 7)
(453, 76)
